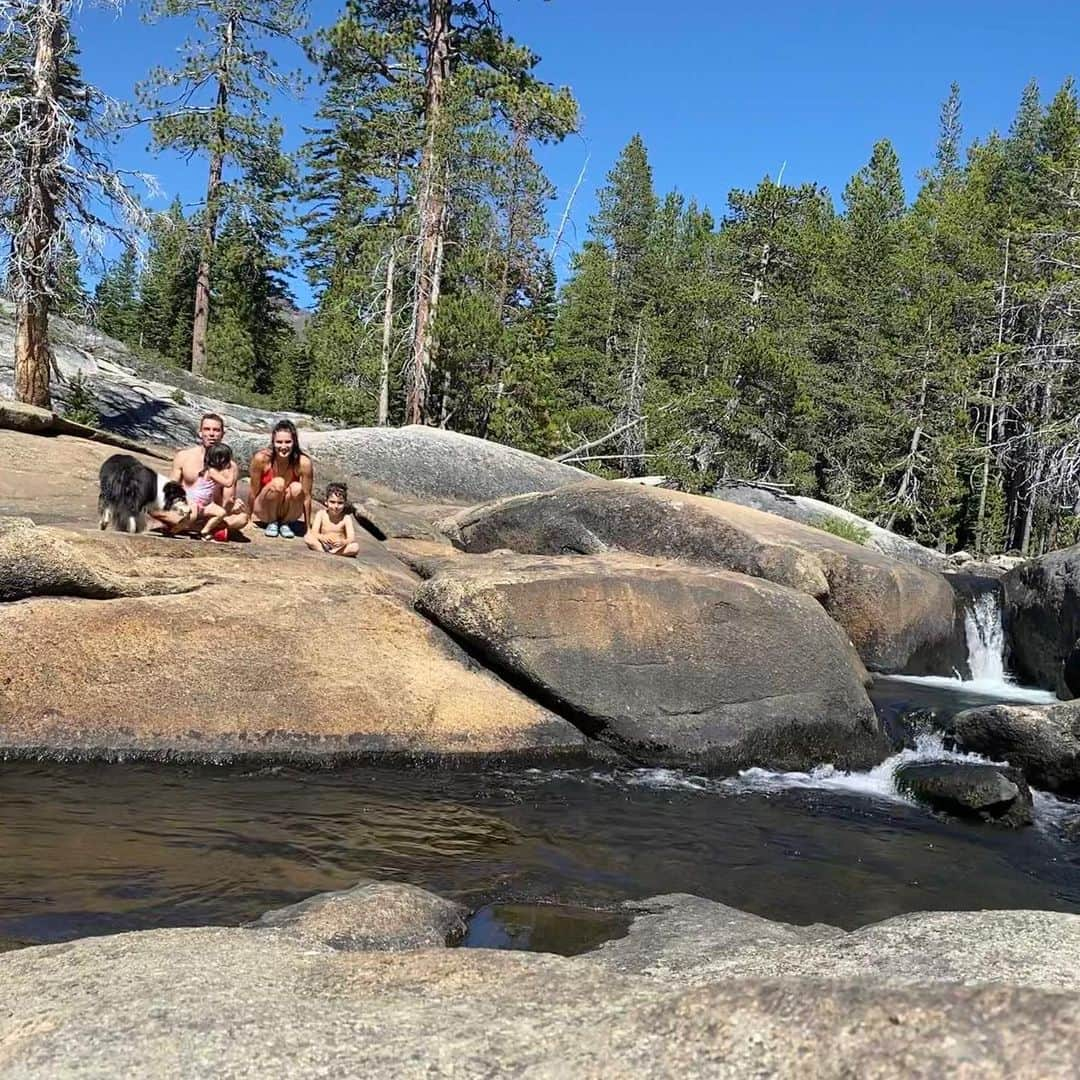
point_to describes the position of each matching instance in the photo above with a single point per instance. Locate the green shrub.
(846, 530)
(179, 396)
(82, 406)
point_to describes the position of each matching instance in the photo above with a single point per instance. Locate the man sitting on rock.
(186, 467)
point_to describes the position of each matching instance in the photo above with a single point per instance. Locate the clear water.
(93, 849)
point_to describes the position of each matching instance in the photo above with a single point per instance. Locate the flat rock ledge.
(696, 988)
(289, 657)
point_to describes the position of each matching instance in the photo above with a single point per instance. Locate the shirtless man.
(281, 480)
(186, 466)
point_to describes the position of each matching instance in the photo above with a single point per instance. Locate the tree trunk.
(33, 357)
(34, 246)
(633, 438)
(432, 210)
(913, 455)
(387, 339)
(201, 321)
(980, 543)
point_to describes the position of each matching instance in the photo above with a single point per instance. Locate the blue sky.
(722, 94)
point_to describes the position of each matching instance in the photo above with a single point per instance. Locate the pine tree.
(116, 301)
(214, 104)
(248, 339)
(55, 176)
(425, 179)
(623, 223)
(947, 158)
(167, 286)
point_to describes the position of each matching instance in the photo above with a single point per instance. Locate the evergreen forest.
(912, 361)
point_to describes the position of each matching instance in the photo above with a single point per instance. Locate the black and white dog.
(129, 490)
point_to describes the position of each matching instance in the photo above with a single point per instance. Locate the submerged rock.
(387, 916)
(1042, 609)
(897, 615)
(696, 989)
(1042, 741)
(989, 792)
(671, 664)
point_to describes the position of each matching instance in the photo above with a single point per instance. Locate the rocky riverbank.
(363, 983)
(592, 618)
(297, 654)
(501, 604)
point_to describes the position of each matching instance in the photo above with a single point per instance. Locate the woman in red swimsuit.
(281, 480)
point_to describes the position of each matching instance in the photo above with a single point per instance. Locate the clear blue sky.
(722, 93)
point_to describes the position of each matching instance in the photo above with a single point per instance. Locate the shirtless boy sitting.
(186, 467)
(333, 530)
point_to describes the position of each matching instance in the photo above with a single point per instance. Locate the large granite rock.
(429, 464)
(690, 941)
(986, 994)
(898, 616)
(992, 793)
(162, 406)
(135, 399)
(48, 562)
(670, 664)
(54, 478)
(16, 416)
(281, 653)
(815, 512)
(1043, 741)
(1042, 610)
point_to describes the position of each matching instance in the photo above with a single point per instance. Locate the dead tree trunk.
(633, 438)
(387, 339)
(34, 246)
(432, 210)
(201, 321)
(980, 543)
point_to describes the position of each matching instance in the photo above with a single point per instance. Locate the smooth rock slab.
(281, 654)
(670, 664)
(990, 793)
(430, 464)
(814, 511)
(898, 616)
(50, 562)
(686, 940)
(238, 1003)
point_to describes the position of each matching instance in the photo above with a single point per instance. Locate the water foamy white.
(984, 631)
(878, 783)
(993, 691)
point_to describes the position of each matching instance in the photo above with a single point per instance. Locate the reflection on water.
(550, 928)
(89, 849)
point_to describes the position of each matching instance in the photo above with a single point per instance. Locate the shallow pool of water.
(91, 849)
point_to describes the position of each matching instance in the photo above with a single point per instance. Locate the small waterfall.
(985, 633)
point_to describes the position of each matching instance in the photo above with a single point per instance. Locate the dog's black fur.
(130, 489)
